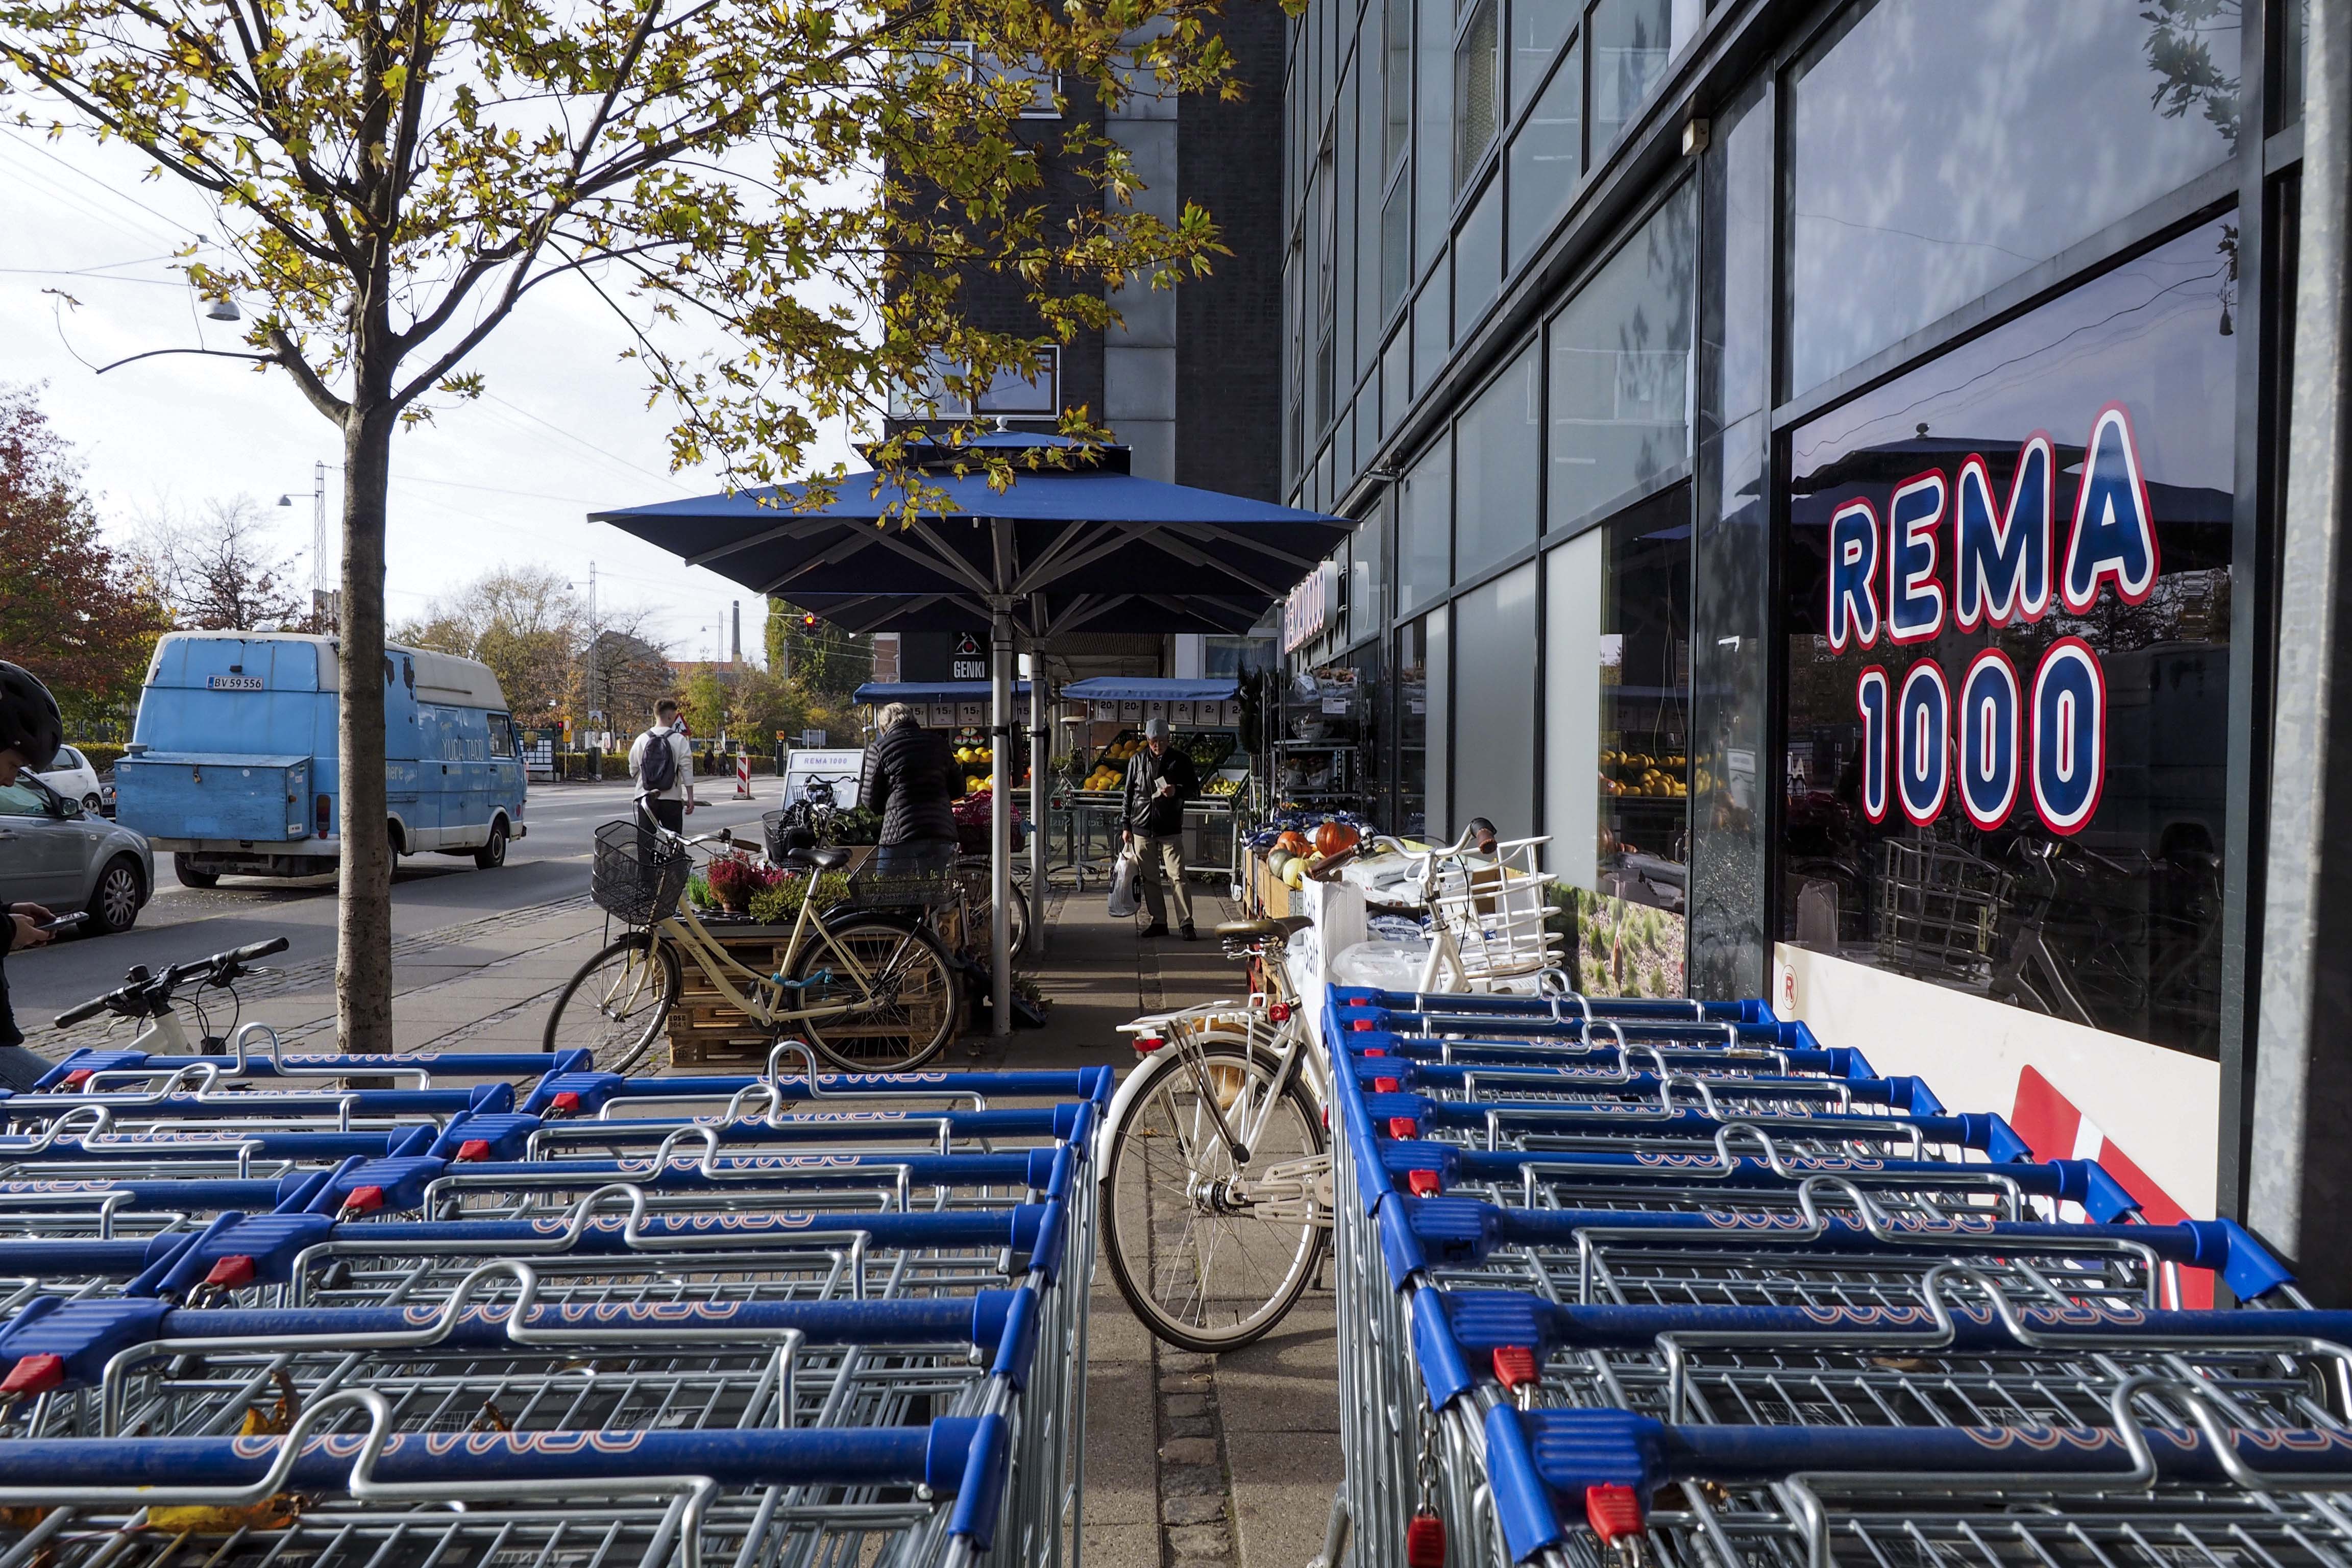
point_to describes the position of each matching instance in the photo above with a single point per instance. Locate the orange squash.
(1295, 842)
(1333, 838)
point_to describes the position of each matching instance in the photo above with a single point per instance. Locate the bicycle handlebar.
(142, 994)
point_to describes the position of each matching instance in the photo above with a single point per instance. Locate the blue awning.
(1133, 689)
(929, 691)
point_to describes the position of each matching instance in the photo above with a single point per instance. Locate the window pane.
(2295, 29)
(1546, 156)
(1632, 42)
(1644, 661)
(1412, 715)
(1621, 369)
(2079, 824)
(1999, 132)
(1396, 247)
(1430, 312)
(1536, 28)
(1478, 259)
(1432, 164)
(1424, 529)
(1441, 734)
(1397, 80)
(1010, 392)
(1474, 93)
(1498, 443)
(1396, 381)
(1494, 704)
(1367, 590)
(1572, 709)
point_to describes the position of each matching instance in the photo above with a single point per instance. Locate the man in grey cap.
(1159, 780)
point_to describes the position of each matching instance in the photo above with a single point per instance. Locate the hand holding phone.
(57, 923)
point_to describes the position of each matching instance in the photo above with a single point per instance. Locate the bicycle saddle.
(1249, 930)
(816, 859)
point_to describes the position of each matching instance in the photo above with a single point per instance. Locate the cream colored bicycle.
(870, 990)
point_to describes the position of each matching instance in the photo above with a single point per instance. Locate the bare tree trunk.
(363, 899)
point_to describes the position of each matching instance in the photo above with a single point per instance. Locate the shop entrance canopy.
(1047, 551)
(1145, 688)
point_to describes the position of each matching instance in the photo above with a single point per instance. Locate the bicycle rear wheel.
(973, 870)
(915, 1000)
(1208, 1255)
(616, 1005)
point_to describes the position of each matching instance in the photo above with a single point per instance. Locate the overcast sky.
(563, 429)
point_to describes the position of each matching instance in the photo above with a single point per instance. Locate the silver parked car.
(54, 853)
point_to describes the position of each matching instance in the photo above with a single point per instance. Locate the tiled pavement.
(1191, 1461)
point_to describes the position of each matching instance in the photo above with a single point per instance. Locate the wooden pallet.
(706, 1030)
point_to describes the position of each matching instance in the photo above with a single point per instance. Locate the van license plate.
(234, 682)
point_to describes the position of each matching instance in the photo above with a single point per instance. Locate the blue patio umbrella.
(1084, 544)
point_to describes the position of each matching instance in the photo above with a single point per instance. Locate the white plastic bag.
(1123, 902)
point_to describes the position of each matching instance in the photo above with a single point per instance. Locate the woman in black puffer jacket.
(910, 778)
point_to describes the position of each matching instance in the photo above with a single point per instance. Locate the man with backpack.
(662, 762)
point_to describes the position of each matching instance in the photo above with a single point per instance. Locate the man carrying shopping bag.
(1159, 780)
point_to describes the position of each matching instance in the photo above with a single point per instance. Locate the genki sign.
(1951, 553)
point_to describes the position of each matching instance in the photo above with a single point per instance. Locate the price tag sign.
(1103, 713)
(1155, 711)
(971, 713)
(1131, 711)
(1337, 705)
(1180, 713)
(943, 715)
(1233, 713)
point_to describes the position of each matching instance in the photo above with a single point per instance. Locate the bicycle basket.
(636, 876)
(1936, 906)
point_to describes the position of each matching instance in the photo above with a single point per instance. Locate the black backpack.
(658, 768)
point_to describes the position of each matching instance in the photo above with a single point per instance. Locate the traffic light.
(808, 621)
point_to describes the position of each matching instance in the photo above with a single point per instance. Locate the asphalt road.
(428, 891)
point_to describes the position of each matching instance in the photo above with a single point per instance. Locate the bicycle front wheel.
(616, 1006)
(1210, 1254)
(909, 1011)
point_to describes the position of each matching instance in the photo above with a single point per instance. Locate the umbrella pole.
(1000, 826)
(1041, 745)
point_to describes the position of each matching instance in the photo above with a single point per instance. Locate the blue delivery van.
(232, 766)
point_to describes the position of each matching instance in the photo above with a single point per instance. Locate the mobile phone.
(64, 922)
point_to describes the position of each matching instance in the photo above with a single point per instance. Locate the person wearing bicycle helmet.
(31, 731)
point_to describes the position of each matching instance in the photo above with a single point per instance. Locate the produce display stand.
(1317, 757)
(1205, 718)
(706, 1030)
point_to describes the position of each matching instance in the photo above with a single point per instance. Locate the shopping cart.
(1716, 1271)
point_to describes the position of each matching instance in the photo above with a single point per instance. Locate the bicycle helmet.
(30, 724)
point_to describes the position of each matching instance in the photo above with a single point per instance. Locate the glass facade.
(1847, 551)
(1999, 133)
(2001, 774)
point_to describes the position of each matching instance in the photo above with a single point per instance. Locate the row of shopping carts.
(1667, 1282)
(468, 1311)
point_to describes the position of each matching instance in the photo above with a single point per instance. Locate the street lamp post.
(325, 614)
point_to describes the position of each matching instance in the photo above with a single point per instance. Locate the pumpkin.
(1278, 859)
(1333, 838)
(1294, 841)
(1294, 873)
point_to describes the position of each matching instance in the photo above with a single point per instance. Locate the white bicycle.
(149, 999)
(1217, 1195)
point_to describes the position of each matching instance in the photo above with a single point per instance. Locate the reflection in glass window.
(1396, 82)
(1621, 369)
(1432, 164)
(1396, 246)
(1367, 585)
(1546, 156)
(1421, 688)
(2066, 857)
(1475, 91)
(1997, 133)
(1632, 41)
(1494, 707)
(1424, 529)
(1478, 259)
(1432, 313)
(2295, 31)
(1643, 659)
(1536, 28)
(1572, 709)
(1497, 444)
